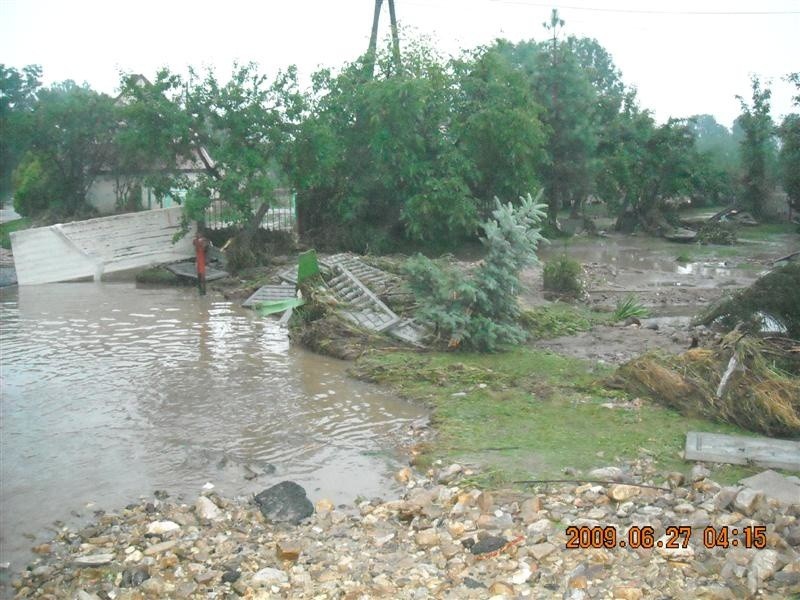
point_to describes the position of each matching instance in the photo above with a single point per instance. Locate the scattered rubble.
(440, 540)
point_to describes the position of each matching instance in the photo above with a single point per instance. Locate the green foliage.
(417, 154)
(789, 159)
(480, 312)
(10, 226)
(757, 148)
(776, 294)
(629, 307)
(18, 90)
(69, 132)
(563, 276)
(684, 257)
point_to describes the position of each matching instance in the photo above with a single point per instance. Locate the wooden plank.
(270, 293)
(741, 450)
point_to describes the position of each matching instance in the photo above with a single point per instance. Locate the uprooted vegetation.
(773, 299)
(746, 381)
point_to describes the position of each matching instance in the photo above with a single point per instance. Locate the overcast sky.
(684, 56)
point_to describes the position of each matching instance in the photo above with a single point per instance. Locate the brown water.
(110, 392)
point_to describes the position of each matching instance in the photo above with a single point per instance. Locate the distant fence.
(281, 217)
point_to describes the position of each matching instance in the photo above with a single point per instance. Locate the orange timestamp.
(675, 537)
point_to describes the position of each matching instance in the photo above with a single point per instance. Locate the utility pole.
(395, 37)
(373, 38)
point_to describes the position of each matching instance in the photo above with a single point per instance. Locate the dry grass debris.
(746, 381)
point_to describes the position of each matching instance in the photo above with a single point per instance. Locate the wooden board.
(741, 450)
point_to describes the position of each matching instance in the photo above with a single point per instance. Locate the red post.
(200, 245)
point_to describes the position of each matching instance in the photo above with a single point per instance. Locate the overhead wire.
(647, 12)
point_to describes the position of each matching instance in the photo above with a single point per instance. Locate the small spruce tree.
(480, 311)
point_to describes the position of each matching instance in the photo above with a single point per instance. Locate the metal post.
(200, 245)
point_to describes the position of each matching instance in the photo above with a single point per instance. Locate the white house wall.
(90, 248)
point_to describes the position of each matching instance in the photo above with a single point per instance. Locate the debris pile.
(739, 381)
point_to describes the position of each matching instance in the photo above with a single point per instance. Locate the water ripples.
(109, 391)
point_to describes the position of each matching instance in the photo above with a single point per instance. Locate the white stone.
(522, 575)
(94, 560)
(269, 576)
(747, 501)
(206, 509)
(162, 527)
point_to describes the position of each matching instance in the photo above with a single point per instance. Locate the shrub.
(563, 276)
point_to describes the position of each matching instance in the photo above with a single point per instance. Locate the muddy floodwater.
(110, 392)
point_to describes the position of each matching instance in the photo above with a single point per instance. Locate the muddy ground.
(674, 291)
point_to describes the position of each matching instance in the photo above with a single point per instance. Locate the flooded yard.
(110, 392)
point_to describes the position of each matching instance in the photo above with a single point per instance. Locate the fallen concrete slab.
(741, 450)
(83, 249)
(785, 490)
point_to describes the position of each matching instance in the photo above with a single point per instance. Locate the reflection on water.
(110, 392)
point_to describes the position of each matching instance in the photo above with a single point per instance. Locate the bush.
(480, 312)
(717, 232)
(563, 276)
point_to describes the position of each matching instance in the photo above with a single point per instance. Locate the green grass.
(9, 226)
(766, 231)
(559, 318)
(529, 414)
(684, 257)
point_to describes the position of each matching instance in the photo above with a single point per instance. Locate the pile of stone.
(443, 539)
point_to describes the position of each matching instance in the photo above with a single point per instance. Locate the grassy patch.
(559, 318)
(529, 414)
(766, 231)
(684, 257)
(9, 226)
(160, 276)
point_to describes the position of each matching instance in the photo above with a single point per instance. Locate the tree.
(18, 91)
(718, 162)
(496, 126)
(756, 148)
(153, 136)
(70, 130)
(568, 98)
(417, 154)
(789, 133)
(647, 165)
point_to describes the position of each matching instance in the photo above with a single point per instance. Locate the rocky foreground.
(443, 539)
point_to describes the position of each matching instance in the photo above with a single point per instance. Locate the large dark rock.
(488, 544)
(285, 502)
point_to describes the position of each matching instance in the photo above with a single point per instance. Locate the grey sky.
(682, 62)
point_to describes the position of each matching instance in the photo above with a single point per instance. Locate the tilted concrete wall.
(90, 248)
